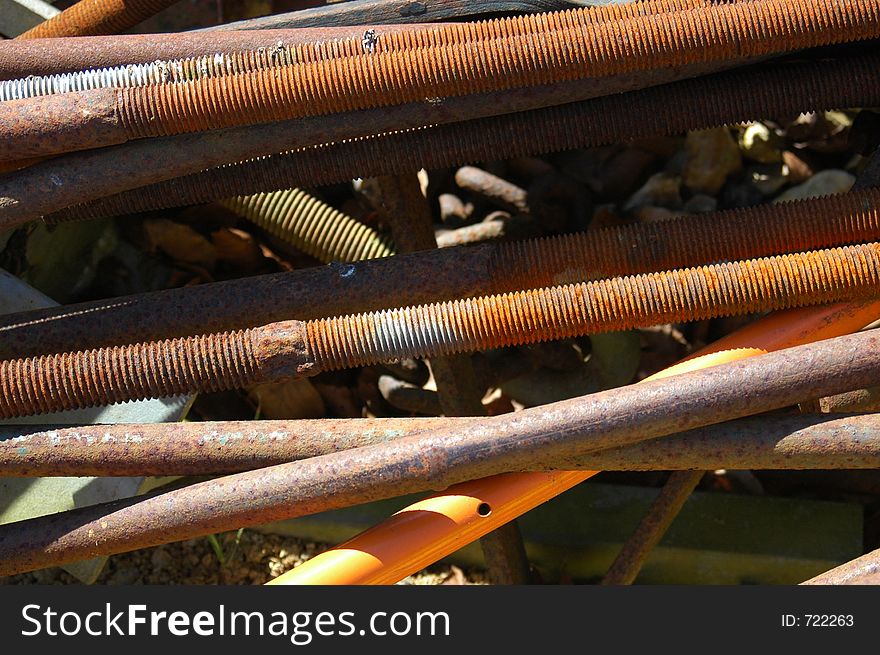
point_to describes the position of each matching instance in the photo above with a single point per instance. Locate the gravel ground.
(251, 558)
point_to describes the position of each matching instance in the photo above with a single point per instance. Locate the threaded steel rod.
(97, 17)
(449, 273)
(311, 225)
(552, 435)
(96, 377)
(572, 49)
(720, 99)
(831, 441)
(216, 63)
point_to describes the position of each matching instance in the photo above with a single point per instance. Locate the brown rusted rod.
(79, 177)
(573, 48)
(61, 55)
(552, 435)
(89, 17)
(830, 441)
(864, 570)
(19, 59)
(429, 276)
(652, 527)
(723, 98)
(277, 351)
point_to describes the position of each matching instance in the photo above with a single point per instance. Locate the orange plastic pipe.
(430, 529)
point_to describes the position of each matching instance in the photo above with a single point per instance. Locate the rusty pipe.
(97, 17)
(451, 273)
(830, 441)
(716, 100)
(551, 435)
(293, 348)
(573, 48)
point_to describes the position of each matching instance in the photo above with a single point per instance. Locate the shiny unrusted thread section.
(711, 33)
(95, 17)
(110, 375)
(711, 101)
(179, 70)
(612, 304)
(311, 225)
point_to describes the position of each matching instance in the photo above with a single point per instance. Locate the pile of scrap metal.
(96, 126)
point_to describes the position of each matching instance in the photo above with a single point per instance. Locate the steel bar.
(724, 98)
(80, 177)
(653, 526)
(450, 273)
(58, 56)
(97, 17)
(21, 59)
(555, 434)
(573, 48)
(864, 570)
(292, 349)
(357, 12)
(830, 441)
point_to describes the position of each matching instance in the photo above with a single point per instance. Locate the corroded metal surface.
(87, 378)
(573, 48)
(451, 273)
(150, 370)
(97, 17)
(724, 98)
(838, 441)
(549, 436)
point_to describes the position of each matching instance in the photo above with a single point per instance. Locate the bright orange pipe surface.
(430, 529)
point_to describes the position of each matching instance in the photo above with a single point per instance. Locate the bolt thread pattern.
(97, 17)
(533, 55)
(102, 376)
(793, 226)
(712, 101)
(191, 68)
(611, 304)
(311, 225)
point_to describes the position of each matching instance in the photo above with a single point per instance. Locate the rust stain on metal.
(573, 48)
(555, 435)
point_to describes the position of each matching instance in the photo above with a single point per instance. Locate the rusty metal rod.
(278, 351)
(830, 441)
(724, 98)
(288, 46)
(429, 276)
(80, 177)
(59, 56)
(652, 527)
(552, 435)
(862, 570)
(572, 48)
(97, 17)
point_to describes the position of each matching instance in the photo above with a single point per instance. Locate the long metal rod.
(831, 441)
(721, 99)
(552, 435)
(573, 47)
(429, 276)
